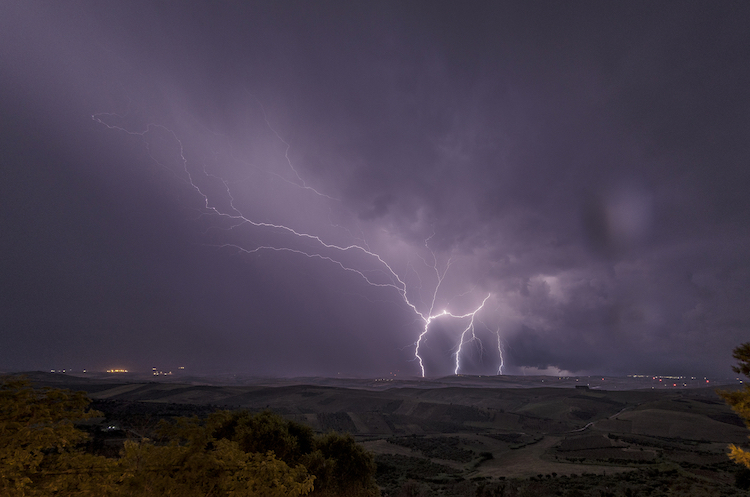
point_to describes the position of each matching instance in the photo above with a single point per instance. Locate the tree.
(347, 468)
(38, 443)
(201, 458)
(739, 400)
(41, 454)
(340, 466)
(228, 454)
(263, 432)
(218, 468)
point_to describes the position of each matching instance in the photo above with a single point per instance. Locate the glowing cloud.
(356, 258)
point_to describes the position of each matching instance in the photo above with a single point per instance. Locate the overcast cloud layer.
(585, 164)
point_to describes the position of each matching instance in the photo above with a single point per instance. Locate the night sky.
(297, 188)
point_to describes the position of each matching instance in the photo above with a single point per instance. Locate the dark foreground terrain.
(471, 436)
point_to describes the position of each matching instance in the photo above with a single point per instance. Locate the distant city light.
(117, 371)
(156, 372)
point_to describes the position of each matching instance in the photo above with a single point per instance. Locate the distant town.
(155, 371)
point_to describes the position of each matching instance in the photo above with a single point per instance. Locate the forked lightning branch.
(338, 255)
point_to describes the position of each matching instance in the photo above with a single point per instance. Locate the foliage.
(202, 459)
(740, 401)
(38, 442)
(263, 432)
(641, 482)
(742, 354)
(219, 467)
(340, 466)
(396, 470)
(435, 447)
(347, 469)
(232, 454)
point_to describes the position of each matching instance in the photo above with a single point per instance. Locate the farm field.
(475, 436)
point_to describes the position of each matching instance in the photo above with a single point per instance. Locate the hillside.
(446, 430)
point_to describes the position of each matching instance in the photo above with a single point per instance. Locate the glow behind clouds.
(221, 214)
(582, 165)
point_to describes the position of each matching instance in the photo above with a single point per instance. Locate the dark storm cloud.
(584, 163)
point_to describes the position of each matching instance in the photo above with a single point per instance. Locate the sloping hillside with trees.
(228, 453)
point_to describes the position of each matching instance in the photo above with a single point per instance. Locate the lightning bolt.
(469, 329)
(500, 352)
(233, 218)
(287, 146)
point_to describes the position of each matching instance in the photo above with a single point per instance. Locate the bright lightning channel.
(469, 328)
(500, 352)
(236, 219)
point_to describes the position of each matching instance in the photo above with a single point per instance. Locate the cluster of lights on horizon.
(154, 371)
(237, 218)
